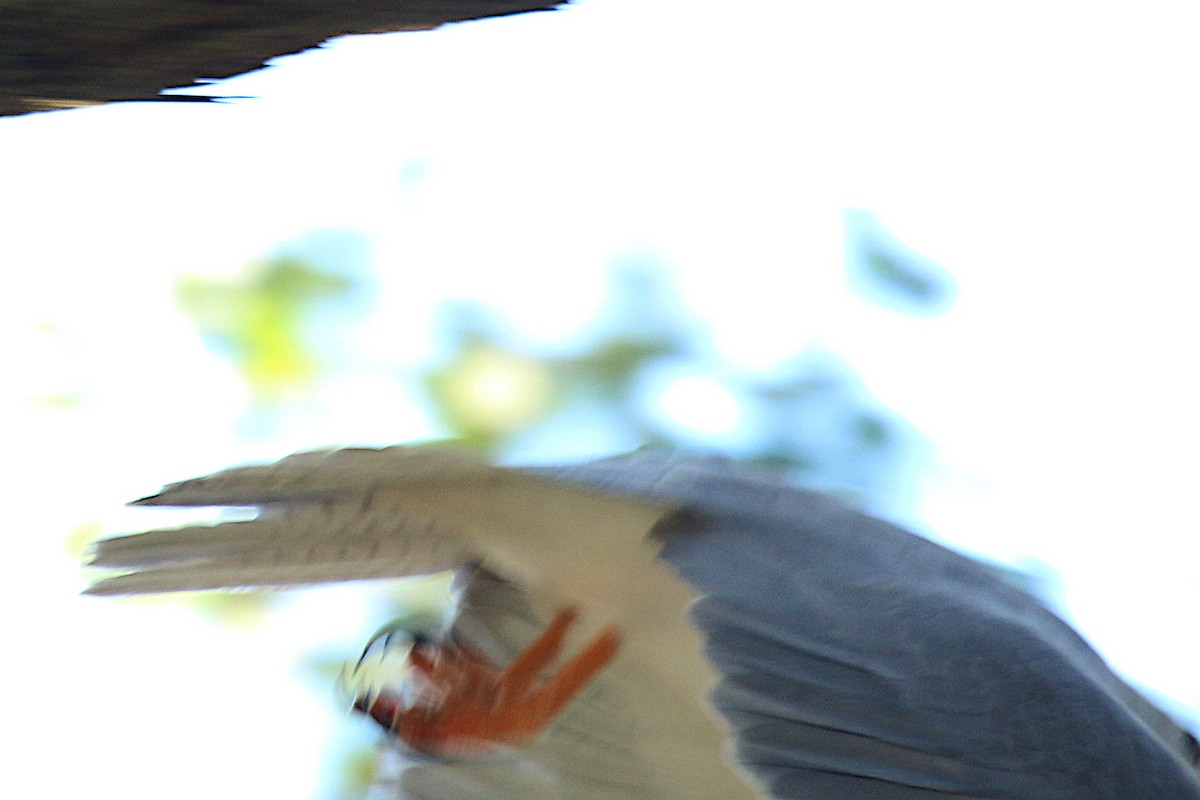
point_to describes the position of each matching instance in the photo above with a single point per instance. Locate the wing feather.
(855, 659)
(863, 661)
(356, 514)
(297, 545)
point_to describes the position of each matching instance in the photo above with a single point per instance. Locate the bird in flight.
(845, 657)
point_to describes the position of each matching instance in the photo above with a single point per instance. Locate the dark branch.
(65, 53)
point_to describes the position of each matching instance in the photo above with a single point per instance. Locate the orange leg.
(512, 718)
(463, 678)
(521, 672)
(477, 706)
(578, 672)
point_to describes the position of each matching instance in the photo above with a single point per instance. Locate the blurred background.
(935, 258)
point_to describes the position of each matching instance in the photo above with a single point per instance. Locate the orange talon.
(537, 656)
(461, 704)
(421, 661)
(572, 678)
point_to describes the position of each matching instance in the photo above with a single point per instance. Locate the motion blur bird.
(848, 658)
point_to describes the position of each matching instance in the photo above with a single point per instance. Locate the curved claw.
(440, 697)
(384, 663)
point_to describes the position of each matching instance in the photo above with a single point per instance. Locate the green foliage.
(358, 771)
(79, 539)
(260, 321)
(486, 393)
(244, 609)
(811, 419)
(890, 274)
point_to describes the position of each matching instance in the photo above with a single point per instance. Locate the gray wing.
(855, 659)
(358, 514)
(591, 752)
(862, 661)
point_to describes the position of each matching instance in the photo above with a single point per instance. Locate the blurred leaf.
(81, 537)
(413, 172)
(890, 274)
(642, 376)
(872, 430)
(62, 402)
(641, 321)
(260, 321)
(827, 430)
(608, 369)
(358, 773)
(484, 392)
(234, 609)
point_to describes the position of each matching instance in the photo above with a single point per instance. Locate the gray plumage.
(849, 658)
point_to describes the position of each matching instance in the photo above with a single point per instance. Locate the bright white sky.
(1044, 153)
